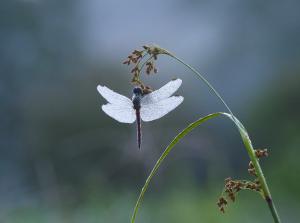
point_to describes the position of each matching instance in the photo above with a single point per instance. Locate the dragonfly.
(143, 106)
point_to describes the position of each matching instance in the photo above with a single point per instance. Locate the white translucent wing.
(164, 92)
(157, 110)
(123, 114)
(113, 97)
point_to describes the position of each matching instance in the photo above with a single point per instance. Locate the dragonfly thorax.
(137, 97)
(137, 91)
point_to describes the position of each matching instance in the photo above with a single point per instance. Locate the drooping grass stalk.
(245, 138)
(246, 141)
(202, 78)
(189, 128)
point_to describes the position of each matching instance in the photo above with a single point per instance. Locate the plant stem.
(181, 135)
(260, 175)
(201, 77)
(245, 138)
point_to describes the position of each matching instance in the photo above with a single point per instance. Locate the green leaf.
(182, 134)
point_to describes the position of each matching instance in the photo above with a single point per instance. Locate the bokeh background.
(63, 160)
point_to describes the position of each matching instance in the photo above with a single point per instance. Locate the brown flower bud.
(261, 153)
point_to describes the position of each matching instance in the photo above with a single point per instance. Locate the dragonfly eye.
(137, 90)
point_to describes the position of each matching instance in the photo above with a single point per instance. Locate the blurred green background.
(63, 160)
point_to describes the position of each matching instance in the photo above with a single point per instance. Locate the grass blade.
(183, 133)
(249, 148)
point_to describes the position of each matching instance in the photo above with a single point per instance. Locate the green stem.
(260, 175)
(183, 133)
(245, 137)
(201, 77)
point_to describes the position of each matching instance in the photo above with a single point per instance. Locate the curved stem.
(255, 161)
(183, 133)
(201, 77)
(245, 137)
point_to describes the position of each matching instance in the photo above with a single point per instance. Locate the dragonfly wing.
(157, 110)
(164, 92)
(124, 114)
(113, 97)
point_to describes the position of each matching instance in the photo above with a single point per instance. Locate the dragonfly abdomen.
(139, 129)
(136, 100)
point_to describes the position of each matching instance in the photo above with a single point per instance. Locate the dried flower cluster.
(144, 58)
(232, 187)
(261, 153)
(251, 169)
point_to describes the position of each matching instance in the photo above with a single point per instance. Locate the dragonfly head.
(137, 91)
